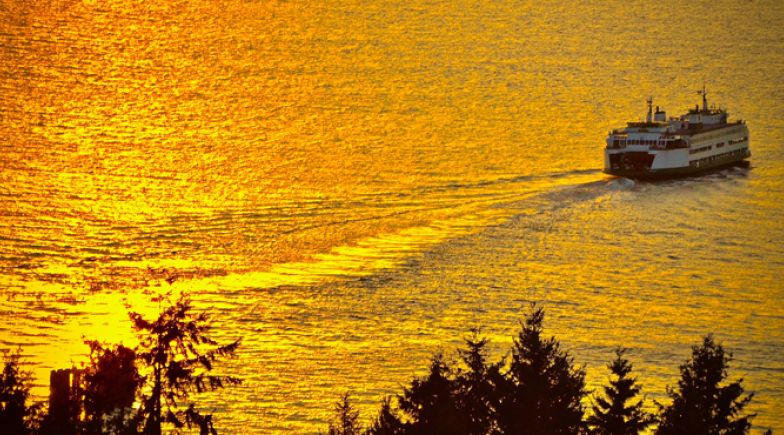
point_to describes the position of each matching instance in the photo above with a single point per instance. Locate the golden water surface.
(350, 186)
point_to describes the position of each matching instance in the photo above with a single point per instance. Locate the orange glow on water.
(350, 187)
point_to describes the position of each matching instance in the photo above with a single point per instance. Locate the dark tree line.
(536, 389)
(540, 391)
(142, 391)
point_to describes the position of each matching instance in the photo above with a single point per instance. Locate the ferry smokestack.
(659, 115)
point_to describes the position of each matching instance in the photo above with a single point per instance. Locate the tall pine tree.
(543, 391)
(611, 413)
(701, 404)
(181, 355)
(476, 386)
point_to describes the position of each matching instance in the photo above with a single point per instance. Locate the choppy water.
(349, 186)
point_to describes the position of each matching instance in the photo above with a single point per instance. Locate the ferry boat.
(699, 140)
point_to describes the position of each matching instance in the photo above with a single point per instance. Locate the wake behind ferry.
(697, 141)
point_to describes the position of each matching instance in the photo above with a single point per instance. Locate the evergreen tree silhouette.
(110, 384)
(431, 404)
(543, 391)
(181, 355)
(446, 400)
(700, 405)
(347, 419)
(16, 417)
(387, 422)
(611, 414)
(476, 393)
(540, 392)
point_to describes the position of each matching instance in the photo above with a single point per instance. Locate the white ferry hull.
(661, 172)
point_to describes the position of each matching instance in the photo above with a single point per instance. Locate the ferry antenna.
(704, 94)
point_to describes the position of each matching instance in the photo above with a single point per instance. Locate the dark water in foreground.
(349, 187)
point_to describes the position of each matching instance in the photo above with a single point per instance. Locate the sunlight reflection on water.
(350, 187)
